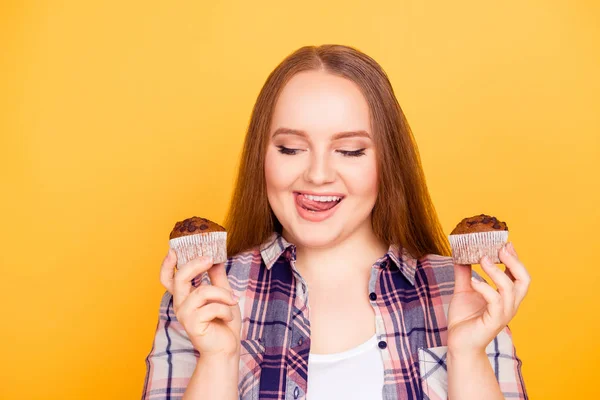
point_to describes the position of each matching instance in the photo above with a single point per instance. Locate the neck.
(350, 258)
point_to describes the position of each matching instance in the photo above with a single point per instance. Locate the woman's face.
(320, 164)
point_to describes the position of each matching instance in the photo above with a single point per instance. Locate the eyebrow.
(337, 136)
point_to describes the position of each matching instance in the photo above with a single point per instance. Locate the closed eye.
(353, 153)
(287, 150)
(345, 153)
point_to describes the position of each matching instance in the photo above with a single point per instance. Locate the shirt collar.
(274, 247)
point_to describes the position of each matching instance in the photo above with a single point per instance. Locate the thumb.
(218, 276)
(462, 278)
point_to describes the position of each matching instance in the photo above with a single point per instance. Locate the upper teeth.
(322, 198)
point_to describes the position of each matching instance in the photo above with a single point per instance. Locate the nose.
(320, 169)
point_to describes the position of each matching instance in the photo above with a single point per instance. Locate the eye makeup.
(346, 153)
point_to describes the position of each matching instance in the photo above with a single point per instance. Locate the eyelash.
(287, 151)
(353, 153)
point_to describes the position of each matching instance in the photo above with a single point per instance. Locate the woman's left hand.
(477, 312)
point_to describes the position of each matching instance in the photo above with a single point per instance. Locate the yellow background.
(120, 117)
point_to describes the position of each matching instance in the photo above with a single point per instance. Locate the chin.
(321, 240)
(316, 236)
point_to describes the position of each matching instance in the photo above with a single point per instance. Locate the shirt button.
(373, 296)
(382, 345)
(384, 264)
(296, 392)
(300, 341)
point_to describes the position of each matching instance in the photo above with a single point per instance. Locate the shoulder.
(436, 261)
(436, 269)
(241, 266)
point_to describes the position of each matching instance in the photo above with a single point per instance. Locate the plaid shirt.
(410, 298)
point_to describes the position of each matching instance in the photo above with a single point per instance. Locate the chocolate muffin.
(193, 226)
(477, 236)
(194, 237)
(479, 223)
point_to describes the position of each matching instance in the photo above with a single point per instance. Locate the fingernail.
(235, 297)
(512, 248)
(474, 280)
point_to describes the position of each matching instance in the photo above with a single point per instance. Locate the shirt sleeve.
(172, 360)
(502, 356)
(507, 366)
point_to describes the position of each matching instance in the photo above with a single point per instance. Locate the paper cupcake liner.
(469, 248)
(202, 244)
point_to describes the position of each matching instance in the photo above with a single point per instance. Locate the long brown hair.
(403, 213)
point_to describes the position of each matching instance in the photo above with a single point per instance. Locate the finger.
(505, 286)
(509, 274)
(183, 278)
(512, 250)
(210, 294)
(210, 312)
(213, 311)
(167, 270)
(492, 298)
(462, 278)
(506, 269)
(518, 270)
(203, 295)
(218, 276)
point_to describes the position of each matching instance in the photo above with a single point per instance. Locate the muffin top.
(194, 225)
(479, 223)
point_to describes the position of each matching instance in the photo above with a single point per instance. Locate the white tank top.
(353, 374)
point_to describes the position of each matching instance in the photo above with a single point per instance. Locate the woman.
(338, 285)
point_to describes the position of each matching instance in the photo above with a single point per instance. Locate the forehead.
(320, 103)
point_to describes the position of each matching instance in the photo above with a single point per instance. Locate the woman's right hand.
(209, 313)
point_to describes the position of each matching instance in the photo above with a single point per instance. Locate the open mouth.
(317, 204)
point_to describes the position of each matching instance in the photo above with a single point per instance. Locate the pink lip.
(315, 216)
(321, 194)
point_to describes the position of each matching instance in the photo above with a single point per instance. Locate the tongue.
(315, 205)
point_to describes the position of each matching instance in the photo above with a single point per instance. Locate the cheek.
(276, 176)
(363, 181)
(270, 172)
